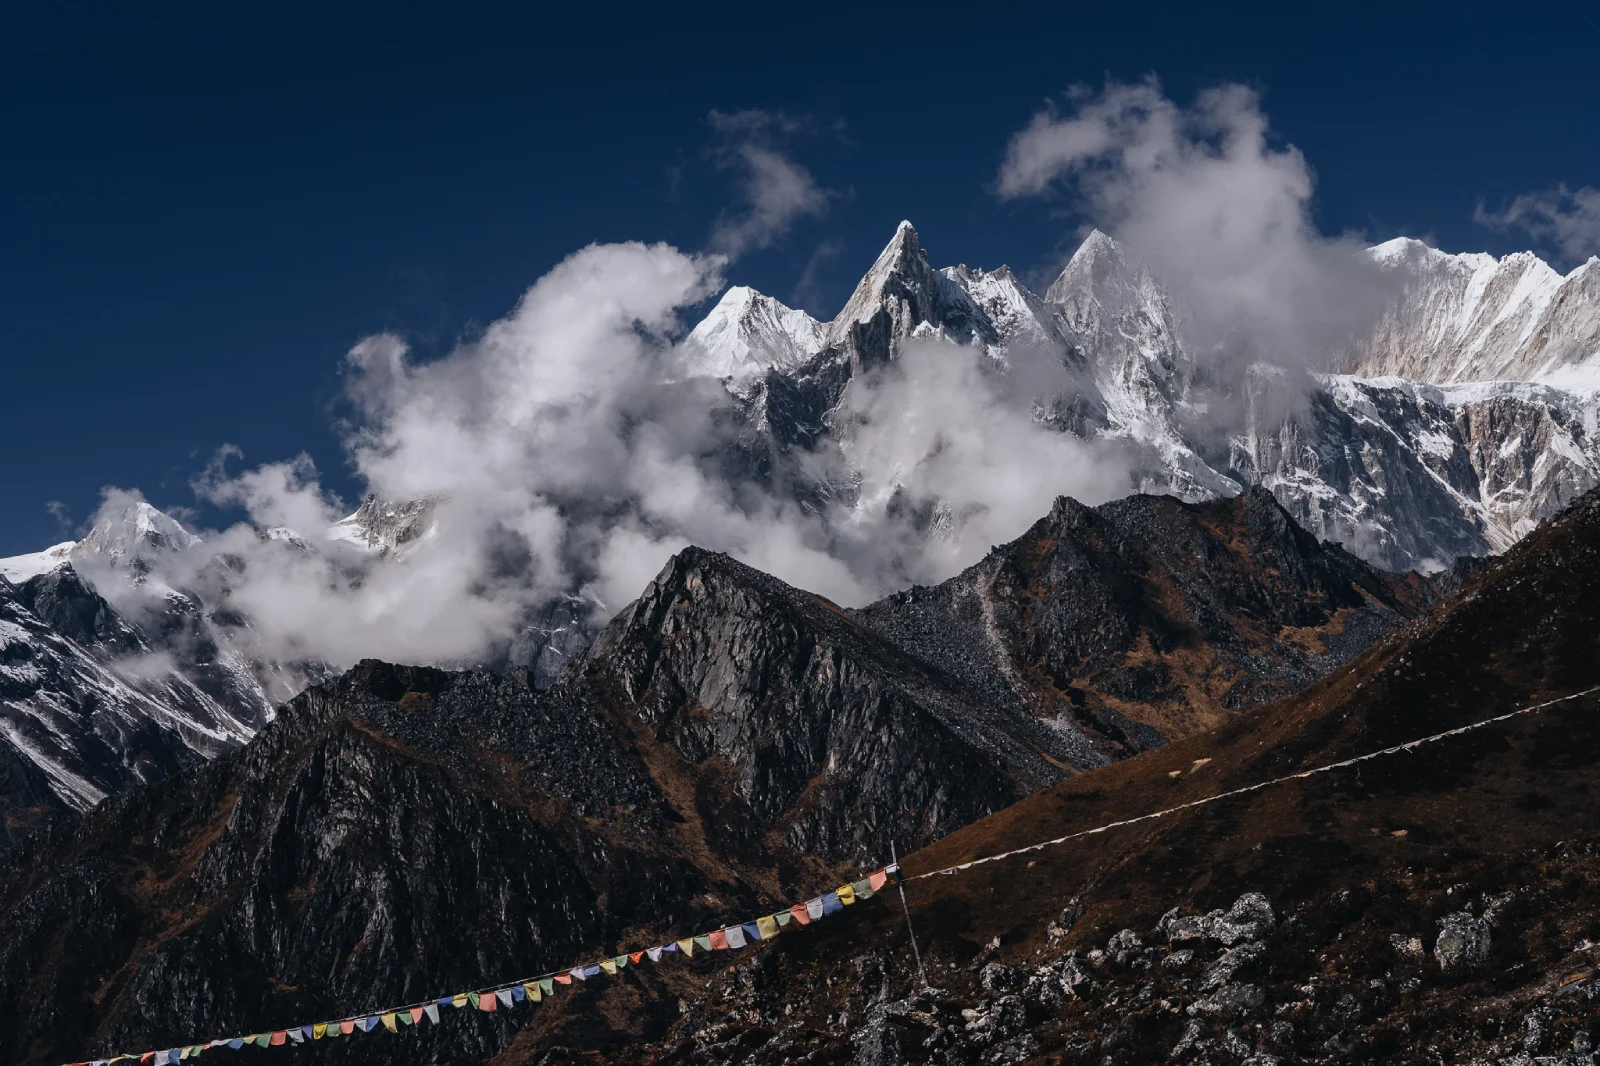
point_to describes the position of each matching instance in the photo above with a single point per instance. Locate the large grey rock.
(1464, 944)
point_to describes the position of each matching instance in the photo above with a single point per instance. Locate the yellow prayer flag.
(768, 927)
(847, 894)
(388, 1022)
(608, 966)
(532, 989)
(686, 946)
(459, 1000)
(319, 1030)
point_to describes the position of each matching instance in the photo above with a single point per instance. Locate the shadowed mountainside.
(728, 744)
(1438, 904)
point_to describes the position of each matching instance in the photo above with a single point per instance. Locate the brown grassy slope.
(1355, 856)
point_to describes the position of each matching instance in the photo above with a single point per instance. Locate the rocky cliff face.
(1468, 415)
(1462, 318)
(836, 741)
(1439, 900)
(87, 709)
(395, 830)
(1124, 626)
(729, 743)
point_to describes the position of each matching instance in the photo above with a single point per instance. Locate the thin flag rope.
(527, 989)
(735, 936)
(1409, 745)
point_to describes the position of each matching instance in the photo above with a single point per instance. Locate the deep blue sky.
(199, 215)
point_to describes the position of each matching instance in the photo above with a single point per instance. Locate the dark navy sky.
(199, 216)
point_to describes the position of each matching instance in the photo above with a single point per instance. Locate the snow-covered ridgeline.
(1468, 415)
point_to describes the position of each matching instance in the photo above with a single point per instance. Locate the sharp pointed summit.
(899, 292)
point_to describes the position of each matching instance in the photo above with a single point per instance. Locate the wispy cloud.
(774, 190)
(808, 291)
(1568, 219)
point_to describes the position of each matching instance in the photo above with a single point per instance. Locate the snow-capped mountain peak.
(136, 530)
(746, 334)
(19, 568)
(1475, 317)
(900, 282)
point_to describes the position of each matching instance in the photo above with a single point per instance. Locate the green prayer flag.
(863, 888)
(784, 917)
(263, 1040)
(405, 1017)
(703, 942)
(547, 985)
(472, 997)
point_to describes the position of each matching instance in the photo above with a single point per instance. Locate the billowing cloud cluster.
(569, 449)
(566, 449)
(1201, 195)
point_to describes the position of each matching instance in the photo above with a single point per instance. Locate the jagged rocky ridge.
(1406, 473)
(101, 691)
(1437, 905)
(728, 743)
(1099, 633)
(1494, 431)
(87, 707)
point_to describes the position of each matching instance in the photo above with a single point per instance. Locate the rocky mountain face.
(1473, 317)
(728, 740)
(1436, 903)
(96, 696)
(88, 708)
(388, 832)
(1493, 430)
(1121, 627)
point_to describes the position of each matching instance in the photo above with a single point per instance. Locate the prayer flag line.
(528, 989)
(1410, 745)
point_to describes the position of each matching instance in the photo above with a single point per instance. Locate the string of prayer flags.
(532, 989)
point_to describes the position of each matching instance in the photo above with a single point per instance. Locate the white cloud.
(1567, 218)
(775, 190)
(952, 461)
(1205, 198)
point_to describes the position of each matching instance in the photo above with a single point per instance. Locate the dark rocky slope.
(392, 835)
(1436, 905)
(1148, 619)
(729, 743)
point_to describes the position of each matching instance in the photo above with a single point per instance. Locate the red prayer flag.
(280, 1037)
(636, 956)
(487, 1002)
(719, 940)
(416, 1015)
(878, 880)
(563, 978)
(800, 914)
(347, 1026)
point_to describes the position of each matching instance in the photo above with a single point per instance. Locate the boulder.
(1464, 943)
